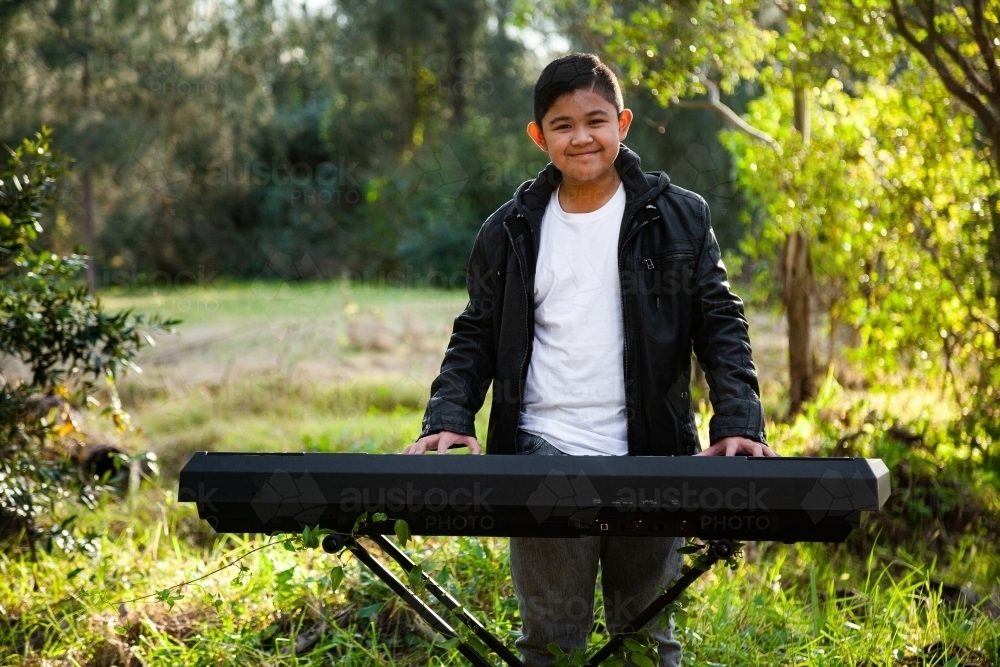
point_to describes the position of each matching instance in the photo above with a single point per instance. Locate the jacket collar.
(533, 196)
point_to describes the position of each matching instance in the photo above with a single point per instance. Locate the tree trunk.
(798, 282)
(993, 199)
(89, 232)
(798, 290)
(831, 352)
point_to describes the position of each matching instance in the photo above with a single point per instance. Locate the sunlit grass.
(807, 604)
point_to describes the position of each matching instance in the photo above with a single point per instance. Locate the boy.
(624, 275)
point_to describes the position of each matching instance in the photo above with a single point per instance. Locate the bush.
(52, 324)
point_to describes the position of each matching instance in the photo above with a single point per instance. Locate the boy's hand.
(441, 442)
(736, 446)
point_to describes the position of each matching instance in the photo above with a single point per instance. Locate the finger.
(770, 452)
(758, 449)
(474, 447)
(732, 447)
(444, 443)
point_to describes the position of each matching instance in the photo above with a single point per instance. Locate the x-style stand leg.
(717, 550)
(333, 543)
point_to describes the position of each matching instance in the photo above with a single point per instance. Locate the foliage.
(271, 140)
(50, 323)
(895, 187)
(894, 190)
(674, 49)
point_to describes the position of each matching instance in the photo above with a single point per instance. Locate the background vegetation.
(300, 183)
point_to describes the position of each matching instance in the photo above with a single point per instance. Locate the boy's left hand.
(737, 446)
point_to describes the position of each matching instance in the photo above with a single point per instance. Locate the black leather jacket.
(674, 295)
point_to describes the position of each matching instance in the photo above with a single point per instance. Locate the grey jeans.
(554, 580)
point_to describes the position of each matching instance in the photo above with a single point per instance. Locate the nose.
(582, 136)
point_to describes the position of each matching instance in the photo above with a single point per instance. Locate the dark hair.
(575, 72)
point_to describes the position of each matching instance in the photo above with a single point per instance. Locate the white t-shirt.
(575, 392)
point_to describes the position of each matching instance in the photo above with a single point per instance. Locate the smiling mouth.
(584, 154)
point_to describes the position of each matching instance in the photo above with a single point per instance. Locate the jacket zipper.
(650, 264)
(625, 328)
(527, 329)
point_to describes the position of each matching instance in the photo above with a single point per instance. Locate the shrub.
(51, 323)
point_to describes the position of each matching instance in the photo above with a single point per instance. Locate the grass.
(792, 605)
(334, 367)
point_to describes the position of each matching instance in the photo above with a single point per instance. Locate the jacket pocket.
(665, 286)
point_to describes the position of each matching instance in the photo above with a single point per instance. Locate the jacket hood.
(533, 196)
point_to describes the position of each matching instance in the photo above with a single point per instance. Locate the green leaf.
(416, 578)
(284, 576)
(370, 610)
(633, 645)
(336, 577)
(555, 649)
(168, 597)
(402, 531)
(640, 659)
(310, 537)
(690, 549)
(379, 516)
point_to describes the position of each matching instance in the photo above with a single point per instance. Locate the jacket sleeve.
(722, 345)
(469, 363)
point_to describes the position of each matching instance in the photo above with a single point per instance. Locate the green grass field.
(337, 367)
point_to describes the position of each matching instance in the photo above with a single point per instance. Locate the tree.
(881, 179)
(961, 44)
(699, 48)
(894, 195)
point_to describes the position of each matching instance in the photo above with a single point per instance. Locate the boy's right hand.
(441, 441)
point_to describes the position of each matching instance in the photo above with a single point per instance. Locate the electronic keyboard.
(785, 499)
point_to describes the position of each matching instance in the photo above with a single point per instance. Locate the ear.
(536, 135)
(624, 120)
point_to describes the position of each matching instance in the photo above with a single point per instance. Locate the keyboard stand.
(719, 549)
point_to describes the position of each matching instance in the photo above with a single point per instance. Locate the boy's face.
(581, 133)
